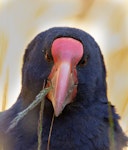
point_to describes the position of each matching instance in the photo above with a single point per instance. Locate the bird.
(70, 60)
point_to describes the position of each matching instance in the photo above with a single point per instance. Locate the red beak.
(66, 53)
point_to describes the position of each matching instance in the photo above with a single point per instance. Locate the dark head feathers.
(34, 61)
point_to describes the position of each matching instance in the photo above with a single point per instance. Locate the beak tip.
(57, 110)
(56, 114)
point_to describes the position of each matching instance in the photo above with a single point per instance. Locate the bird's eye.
(48, 57)
(83, 62)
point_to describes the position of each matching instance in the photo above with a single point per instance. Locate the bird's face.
(63, 63)
(66, 53)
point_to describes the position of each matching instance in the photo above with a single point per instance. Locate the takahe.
(71, 62)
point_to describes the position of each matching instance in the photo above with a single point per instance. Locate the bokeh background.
(105, 20)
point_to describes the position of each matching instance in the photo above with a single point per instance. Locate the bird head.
(70, 61)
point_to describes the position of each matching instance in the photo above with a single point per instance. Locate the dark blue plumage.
(84, 124)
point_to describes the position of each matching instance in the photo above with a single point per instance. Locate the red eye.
(83, 62)
(47, 57)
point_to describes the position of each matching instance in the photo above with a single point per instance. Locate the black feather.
(84, 124)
